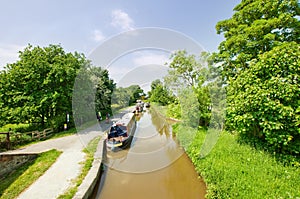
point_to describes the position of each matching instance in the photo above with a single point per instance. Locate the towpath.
(58, 178)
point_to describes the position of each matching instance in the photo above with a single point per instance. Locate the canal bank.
(154, 167)
(92, 179)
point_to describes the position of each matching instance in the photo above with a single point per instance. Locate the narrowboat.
(139, 106)
(121, 133)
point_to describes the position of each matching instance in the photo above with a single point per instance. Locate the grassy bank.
(233, 170)
(18, 181)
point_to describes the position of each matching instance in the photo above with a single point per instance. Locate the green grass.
(22, 178)
(87, 164)
(233, 170)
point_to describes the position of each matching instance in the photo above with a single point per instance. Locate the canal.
(155, 166)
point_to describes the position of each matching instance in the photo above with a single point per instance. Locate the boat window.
(123, 128)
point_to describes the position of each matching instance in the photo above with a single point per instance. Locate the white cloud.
(146, 63)
(150, 58)
(121, 20)
(9, 53)
(98, 35)
(143, 75)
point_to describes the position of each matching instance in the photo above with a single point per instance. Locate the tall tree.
(191, 72)
(92, 94)
(104, 89)
(257, 26)
(38, 87)
(187, 70)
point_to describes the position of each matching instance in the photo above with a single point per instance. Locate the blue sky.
(83, 25)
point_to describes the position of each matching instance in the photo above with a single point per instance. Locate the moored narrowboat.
(121, 133)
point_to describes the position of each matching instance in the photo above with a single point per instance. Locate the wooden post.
(8, 140)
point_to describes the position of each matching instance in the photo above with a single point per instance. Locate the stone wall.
(10, 162)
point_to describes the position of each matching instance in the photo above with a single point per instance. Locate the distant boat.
(139, 106)
(121, 133)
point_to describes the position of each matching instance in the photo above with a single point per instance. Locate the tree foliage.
(120, 98)
(39, 86)
(135, 93)
(160, 94)
(187, 70)
(257, 26)
(259, 62)
(124, 97)
(264, 100)
(104, 89)
(190, 72)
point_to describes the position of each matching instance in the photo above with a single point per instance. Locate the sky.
(82, 26)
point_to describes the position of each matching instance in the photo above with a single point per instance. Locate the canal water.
(154, 167)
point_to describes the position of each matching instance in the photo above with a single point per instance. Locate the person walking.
(107, 117)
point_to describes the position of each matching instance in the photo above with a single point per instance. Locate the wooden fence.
(12, 138)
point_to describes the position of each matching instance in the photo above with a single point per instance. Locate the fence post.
(8, 140)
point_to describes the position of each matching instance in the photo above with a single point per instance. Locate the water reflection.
(153, 147)
(155, 166)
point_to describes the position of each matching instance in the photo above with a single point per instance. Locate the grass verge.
(233, 170)
(16, 182)
(87, 164)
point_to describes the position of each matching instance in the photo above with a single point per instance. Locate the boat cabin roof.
(124, 121)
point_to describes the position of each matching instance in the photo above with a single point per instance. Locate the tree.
(187, 69)
(84, 96)
(38, 87)
(92, 94)
(257, 26)
(259, 71)
(191, 72)
(124, 97)
(120, 98)
(3, 109)
(264, 100)
(135, 92)
(160, 94)
(153, 85)
(104, 89)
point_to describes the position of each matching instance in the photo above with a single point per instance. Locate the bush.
(174, 110)
(18, 128)
(58, 122)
